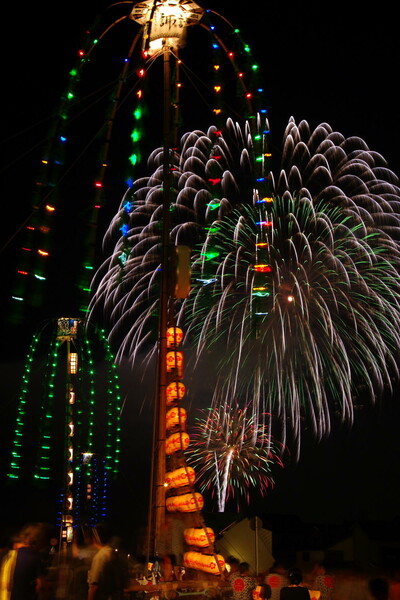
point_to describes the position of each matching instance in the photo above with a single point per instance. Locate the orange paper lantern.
(175, 391)
(176, 441)
(175, 362)
(182, 272)
(180, 477)
(174, 336)
(185, 503)
(176, 416)
(209, 563)
(199, 536)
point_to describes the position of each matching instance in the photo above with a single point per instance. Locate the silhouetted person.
(262, 592)
(107, 575)
(295, 590)
(323, 582)
(394, 585)
(276, 579)
(22, 574)
(243, 583)
(379, 588)
(233, 568)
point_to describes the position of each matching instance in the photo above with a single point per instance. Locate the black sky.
(330, 64)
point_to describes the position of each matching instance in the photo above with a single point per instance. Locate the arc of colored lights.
(261, 295)
(31, 275)
(36, 253)
(249, 72)
(16, 454)
(246, 75)
(42, 467)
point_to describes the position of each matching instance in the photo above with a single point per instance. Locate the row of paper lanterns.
(176, 416)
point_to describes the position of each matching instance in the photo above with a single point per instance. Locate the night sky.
(322, 65)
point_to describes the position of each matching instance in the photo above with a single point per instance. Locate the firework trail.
(294, 278)
(232, 453)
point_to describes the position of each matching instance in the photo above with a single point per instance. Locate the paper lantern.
(180, 477)
(72, 363)
(176, 416)
(174, 336)
(182, 272)
(199, 536)
(175, 391)
(209, 563)
(168, 22)
(175, 362)
(175, 442)
(185, 503)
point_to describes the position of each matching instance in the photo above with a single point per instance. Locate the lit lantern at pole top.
(165, 22)
(67, 329)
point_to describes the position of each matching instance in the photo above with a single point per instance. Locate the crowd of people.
(33, 566)
(281, 583)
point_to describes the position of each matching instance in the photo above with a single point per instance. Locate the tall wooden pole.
(164, 311)
(170, 20)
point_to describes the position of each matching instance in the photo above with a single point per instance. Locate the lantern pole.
(66, 517)
(164, 306)
(66, 331)
(164, 23)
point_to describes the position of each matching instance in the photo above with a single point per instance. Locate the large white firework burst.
(295, 278)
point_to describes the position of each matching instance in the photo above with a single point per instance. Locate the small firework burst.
(233, 453)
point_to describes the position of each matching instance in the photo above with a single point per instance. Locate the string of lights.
(78, 417)
(232, 86)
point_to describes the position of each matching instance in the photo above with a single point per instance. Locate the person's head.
(102, 533)
(30, 535)
(262, 592)
(233, 563)
(295, 577)
(278, 567)
(244, 568)
(379, 588)
(320, 569)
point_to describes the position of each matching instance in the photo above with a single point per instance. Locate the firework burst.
(232, 454)
(294, 278)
